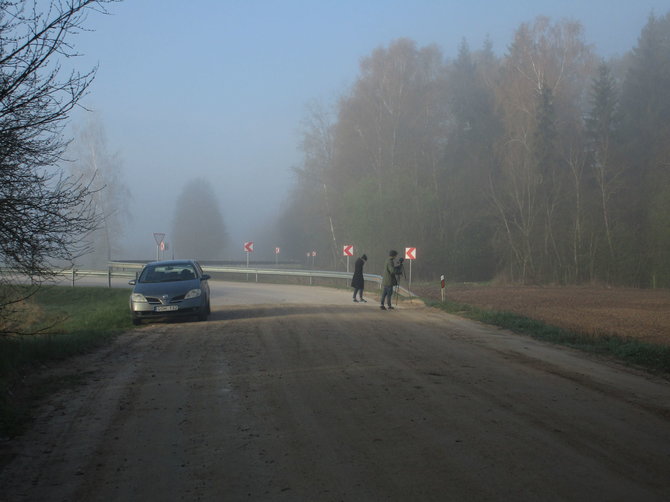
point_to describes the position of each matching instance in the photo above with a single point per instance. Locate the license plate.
(165, 308)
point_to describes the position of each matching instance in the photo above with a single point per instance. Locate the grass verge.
(651, 357)
(70, 321)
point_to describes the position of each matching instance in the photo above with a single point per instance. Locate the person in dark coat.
(357, 281)
(389, 280)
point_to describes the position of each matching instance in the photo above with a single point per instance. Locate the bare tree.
(317, 148)
(43, 212)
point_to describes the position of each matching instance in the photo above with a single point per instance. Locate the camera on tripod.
(400, 267)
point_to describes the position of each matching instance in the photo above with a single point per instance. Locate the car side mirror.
(205, 277)
(133, 282)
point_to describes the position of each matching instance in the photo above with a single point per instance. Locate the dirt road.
(339, 401)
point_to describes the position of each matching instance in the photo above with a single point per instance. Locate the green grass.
(653, 358)
(70, 321)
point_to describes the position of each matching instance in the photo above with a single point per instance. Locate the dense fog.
(226, 96)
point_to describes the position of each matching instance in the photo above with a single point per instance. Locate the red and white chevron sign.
(348, 250)
(249, 247)
(410, 253)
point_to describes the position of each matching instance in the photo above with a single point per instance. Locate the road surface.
(295, 393)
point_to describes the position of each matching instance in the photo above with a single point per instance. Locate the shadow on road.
(258, 311)
(230, 313)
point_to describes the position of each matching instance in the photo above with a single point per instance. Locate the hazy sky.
(217, 88)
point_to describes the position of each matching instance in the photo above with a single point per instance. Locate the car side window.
(147, 275)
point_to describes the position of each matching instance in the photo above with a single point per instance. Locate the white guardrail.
(130, 270)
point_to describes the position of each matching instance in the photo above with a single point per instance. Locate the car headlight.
(194, 293)
(137, 298)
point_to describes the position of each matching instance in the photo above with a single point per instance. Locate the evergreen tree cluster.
(544, 165)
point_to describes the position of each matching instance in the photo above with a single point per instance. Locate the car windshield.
(168, 273)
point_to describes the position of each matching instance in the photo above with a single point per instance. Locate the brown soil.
(640, 313)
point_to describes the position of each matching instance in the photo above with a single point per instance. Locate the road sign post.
(410, 254)
(348, 251)
(248, 248)
(158, 237)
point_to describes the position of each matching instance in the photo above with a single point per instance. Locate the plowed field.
(640, 313)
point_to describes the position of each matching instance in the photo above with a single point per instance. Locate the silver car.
(165, 289)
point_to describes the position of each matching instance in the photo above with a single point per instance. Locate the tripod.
(399, 271)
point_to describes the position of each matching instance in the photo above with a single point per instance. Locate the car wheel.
(204, 313)
(137, 321)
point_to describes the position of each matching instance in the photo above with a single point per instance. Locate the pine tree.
(645, 106)
(547, 165)
(602, 126)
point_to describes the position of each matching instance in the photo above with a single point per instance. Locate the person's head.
(364, 257)
(393, 253)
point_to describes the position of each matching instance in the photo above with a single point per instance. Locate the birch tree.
(546, 67)
(110, 197)
(308, 220)
(389, 141)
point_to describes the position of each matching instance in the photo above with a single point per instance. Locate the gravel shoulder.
(334, 401)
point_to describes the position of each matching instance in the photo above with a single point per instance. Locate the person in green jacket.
(389, 280)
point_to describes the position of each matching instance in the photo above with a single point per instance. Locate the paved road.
(328, 400)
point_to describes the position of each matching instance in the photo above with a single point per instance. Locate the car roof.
(172, 262)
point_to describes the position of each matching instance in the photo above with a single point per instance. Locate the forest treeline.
(545, 165)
